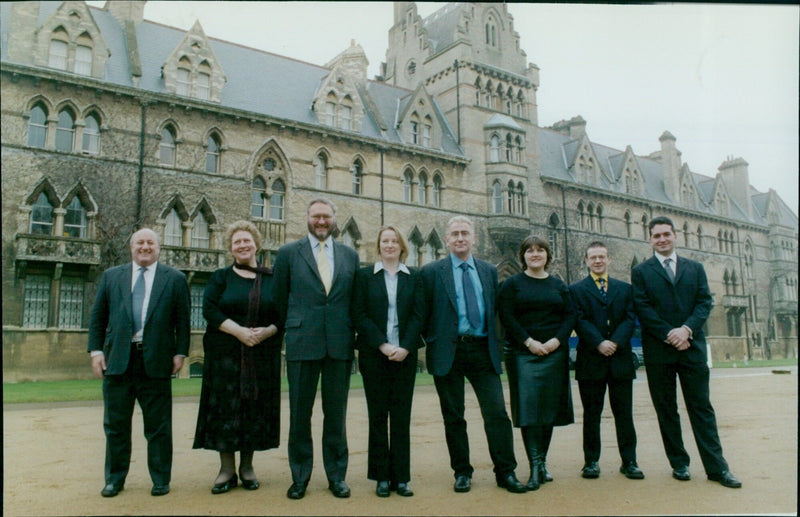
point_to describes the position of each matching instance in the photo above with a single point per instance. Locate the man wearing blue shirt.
(461, 338)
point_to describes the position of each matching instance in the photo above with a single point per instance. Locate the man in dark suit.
(605, 323)
(673, 302)
(461, 338)
(138, 338)
(313, 283)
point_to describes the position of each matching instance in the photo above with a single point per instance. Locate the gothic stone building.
(111, 122)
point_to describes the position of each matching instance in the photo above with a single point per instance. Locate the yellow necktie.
(324, 267)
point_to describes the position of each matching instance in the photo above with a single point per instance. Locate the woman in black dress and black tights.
(240, 398)
(537, 315)
(387, 313)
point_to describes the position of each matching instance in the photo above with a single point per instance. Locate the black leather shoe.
(591, 470)
(462, 484)
(631, 470)
(725, 478)
(339, 489)
(681, 473)
(512, 484)
(111, 490)
(382, 489)
(249, 484)
(159, 490)
(404, 490)
(296, 491)
(225, 486)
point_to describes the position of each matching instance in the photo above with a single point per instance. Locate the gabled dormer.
(417, 121)
(337, 102)
(689, 197)
(629, 173)
(582, 162)
(70, 40)
(720, 199)
(193, 70)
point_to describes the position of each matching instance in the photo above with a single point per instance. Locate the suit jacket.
(662, 306)
(371, 305)
(317, 325)
(166, 324)
(598, 320)
(441, 326)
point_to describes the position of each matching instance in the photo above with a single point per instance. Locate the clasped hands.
(393, 352)
(251, 336)
(679, 338)
(541, 349)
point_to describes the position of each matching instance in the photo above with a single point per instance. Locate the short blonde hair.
(400, 238)
(242, 226)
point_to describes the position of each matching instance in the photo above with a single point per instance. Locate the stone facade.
(181, 142)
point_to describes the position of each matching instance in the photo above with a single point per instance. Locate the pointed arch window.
(510, 194)
(276, 200)
(427, 131)
(203, 86)
(552, 231)
(166, 149)
(437, 191)
(581, 215)
(645, 229)
(628, 224)
(599, 211)
(346, 118)
(414, 130)
(699, 237)
(212, 154)
(57, 57)
(422, 189)
(329, 116)
(83, 60)
(494, 149)
(358, 176)
(65, 131)
(520, 198)
(42, 216)
(509, 147)
(258, 198)
(183, 78)
(91, 135)
(173, 231)
(408, 180)
(200, 234)
(37, 127)
(75, 219)
(497, 198)
(518, 150)
(321, 171)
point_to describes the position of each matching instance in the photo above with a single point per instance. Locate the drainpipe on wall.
(140, 176)
(566, 237)
(746, 318)
(458, 105)
(382, 151)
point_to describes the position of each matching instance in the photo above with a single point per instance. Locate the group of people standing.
(321, 304)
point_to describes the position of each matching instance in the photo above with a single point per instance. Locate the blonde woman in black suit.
(387, 314)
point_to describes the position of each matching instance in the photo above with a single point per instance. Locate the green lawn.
(63, 391)
(92, 389)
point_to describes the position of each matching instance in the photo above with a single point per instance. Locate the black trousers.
(389, 389)
(303, 377)
(472, 362)
(693, 377)
(120, 393)
(620, 395)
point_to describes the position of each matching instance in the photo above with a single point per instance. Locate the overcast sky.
(723, 79)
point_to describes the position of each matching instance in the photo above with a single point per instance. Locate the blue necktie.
(137, 300)
(602, 282)
(470, 300)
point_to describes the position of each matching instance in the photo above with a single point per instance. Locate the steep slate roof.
(558, 150)
(257, 81)
(441, 25)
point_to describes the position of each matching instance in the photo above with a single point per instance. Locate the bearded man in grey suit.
(313, 284)
(138, 338)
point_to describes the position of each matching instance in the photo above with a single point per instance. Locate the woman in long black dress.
(240, 398)
(537, 315)
(387, 312)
